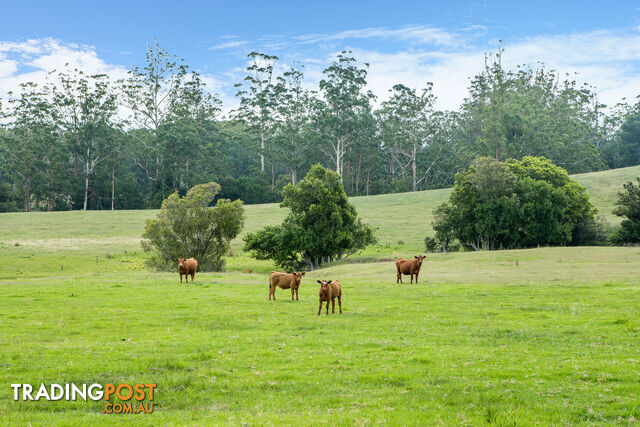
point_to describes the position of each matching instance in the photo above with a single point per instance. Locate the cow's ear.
(303, 273)
(319, 281)
(415, 257)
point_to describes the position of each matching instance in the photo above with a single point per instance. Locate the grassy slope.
(546, 335)
(603, 188)
(403, 217)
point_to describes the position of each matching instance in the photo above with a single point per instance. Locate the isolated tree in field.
(321, 226)
(188, 227)
(515, 204)
(628, 207)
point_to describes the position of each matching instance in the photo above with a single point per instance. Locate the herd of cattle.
(329, 289)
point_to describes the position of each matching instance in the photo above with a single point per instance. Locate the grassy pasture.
(546, 336)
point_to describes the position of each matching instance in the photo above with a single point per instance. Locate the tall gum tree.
(292, 119)
(86, 108)
(408, 126)
(344, 100)
(152, 94)
(257, 104)
(30, 149)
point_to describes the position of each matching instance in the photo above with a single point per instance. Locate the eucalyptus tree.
(152, 94)
(408, 126)
(30, 149)
(257, 105)
(362, 154)
(345, 100)
(292, 104)
(191, 141)
(624, 145)
(86, 108)
(512, 114)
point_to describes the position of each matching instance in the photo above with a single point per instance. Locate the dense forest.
(87, 142)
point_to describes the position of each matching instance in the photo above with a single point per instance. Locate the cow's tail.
(270, 276)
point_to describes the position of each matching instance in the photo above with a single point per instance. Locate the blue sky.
(408, 42)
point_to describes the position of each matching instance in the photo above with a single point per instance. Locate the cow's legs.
(297, 294)
(411, 277)
(192, 276)
(292, 292)
(333, 305)
(417, 277)
(180, 277)
(327, 306)
(340, 303)
(320, 308)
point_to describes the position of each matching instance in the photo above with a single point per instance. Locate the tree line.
(84, 141)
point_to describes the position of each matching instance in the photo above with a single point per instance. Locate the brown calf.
(409, 266)
(285, 281)
(187, 267)
(329, 290)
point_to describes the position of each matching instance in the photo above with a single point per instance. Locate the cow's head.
(180, 262)
(297, 277)
(420, 258)
(324, 286)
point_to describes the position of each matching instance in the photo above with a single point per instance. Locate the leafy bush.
(515, 204)
(322, 225)
(280, 243)
(432, 244)
(628, 207)
(188, 227)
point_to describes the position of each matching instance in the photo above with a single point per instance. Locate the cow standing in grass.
(285, 281)
(187, 267)
(329, 291)
(408, 267)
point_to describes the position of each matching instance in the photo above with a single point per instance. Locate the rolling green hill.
(402, 219)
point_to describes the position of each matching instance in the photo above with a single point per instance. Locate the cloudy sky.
(404, 42)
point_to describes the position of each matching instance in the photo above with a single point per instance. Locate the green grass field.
(546, 336)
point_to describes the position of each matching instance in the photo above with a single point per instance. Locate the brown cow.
(285, 281)
(329, 290)
(409, 266)
(187, 267)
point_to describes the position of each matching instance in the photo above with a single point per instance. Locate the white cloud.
(607, 60)
(227, 45)
(34, 59)
(412, 34)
